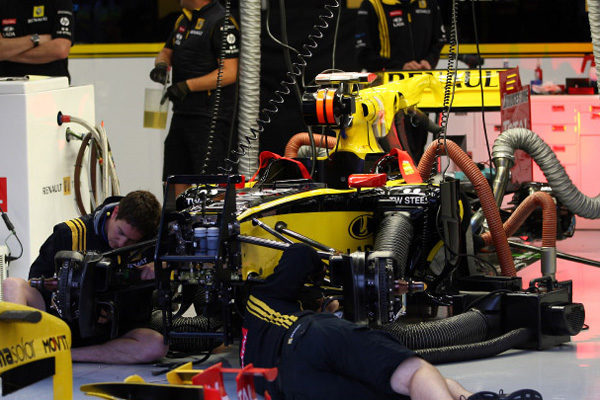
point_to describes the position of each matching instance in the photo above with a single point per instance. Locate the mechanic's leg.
(176, 160)
(423, 381)
(139, 345)
(384, 363)
(17, 290)
(302, 382)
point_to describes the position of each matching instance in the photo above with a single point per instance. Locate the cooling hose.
(519, 216)
(562, 187)
(473, 351)
(483, 190)
(303, 139)
(395, 234)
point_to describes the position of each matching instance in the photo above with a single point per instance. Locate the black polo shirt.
(393, 32)
(26, 17)
(196, 41)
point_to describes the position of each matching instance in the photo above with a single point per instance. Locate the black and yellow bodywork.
(34, 345)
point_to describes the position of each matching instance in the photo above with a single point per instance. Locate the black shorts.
(324, 357)
(187, 143)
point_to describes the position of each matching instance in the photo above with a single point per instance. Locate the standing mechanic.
(114, 224)
(320, 356)
(400, 35)
(194, 49)
(36, 37)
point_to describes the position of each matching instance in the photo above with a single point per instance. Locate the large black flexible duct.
(460, 337)
(478, 350)
(395, 234)
(468, 327)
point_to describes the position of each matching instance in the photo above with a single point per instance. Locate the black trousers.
(324, 357)
(186, 146)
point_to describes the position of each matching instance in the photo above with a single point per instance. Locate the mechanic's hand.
(176, 92)
(104, 316)
(411, 65)
(425, 64)
(159, 72)
(146, 271)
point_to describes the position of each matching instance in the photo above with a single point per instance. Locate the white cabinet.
(36, 161)
(570, 124)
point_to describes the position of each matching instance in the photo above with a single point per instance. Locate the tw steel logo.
(361, 227)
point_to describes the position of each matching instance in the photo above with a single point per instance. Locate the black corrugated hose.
(458, 338)
(473, 351)
(395, 234)
(468, 327)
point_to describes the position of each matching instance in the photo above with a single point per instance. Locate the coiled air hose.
(77, 173)
(245, 143)
(484, 192)
(249, 78)
(110, 181)
(562, 186)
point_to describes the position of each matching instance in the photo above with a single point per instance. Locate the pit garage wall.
(119, 85)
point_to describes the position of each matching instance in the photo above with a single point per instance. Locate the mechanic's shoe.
(523, 394)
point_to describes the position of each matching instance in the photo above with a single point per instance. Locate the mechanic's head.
(135, 218)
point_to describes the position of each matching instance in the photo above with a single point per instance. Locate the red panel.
(3, 196)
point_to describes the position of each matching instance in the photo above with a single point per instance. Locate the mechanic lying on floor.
(118, 222)
(320, 356)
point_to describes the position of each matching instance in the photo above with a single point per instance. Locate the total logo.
(361, 227)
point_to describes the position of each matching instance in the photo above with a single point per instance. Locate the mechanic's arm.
(209, 81)
(52, 50)
(297, 265)
(164, 56)
(12, 47)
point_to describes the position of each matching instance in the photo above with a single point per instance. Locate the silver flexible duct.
(594, 17)
(562, 187)
(249, 83)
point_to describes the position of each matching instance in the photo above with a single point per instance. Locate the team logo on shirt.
(199, 24)
(38, 11)
(422, 4)
(8, 32)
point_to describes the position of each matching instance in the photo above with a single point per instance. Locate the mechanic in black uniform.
(118, 222)
(397, 35)
(193, 51)
(320, 356)
(36, 37)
